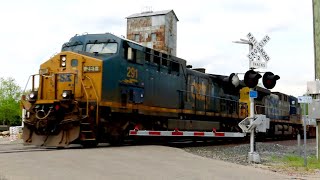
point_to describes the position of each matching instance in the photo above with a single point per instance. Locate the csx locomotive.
(100, 86)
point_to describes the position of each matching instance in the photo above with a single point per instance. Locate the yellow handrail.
(87, 109)
(97, 98)
(95, 92)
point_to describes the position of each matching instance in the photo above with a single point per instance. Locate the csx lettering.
(65, 78)
(132, 73)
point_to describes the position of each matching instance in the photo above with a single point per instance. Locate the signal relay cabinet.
(313, 88)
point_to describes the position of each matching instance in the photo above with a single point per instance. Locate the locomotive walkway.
(127, 162)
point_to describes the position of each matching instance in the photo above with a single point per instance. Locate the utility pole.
(316, 42)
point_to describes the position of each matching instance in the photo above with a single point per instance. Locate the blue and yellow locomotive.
(100, 86)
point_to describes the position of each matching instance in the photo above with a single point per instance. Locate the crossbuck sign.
(257, 52)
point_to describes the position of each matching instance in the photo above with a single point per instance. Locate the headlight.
(66, 94)
(63, 58)
(32, 95)
(63, 64)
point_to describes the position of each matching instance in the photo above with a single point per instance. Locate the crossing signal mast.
(258, 58)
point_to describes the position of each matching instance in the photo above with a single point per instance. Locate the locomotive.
(283, 110)
(103, 88)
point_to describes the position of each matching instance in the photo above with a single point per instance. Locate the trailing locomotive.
(283, 110)
(100, 86)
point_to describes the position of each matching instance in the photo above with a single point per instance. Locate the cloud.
(244, 6)
(32, 31)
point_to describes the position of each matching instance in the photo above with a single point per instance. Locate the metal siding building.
(157, 30)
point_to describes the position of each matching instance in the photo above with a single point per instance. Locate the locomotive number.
(132, 73)
(65, 78)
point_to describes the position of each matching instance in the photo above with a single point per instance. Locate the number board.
(91, 68)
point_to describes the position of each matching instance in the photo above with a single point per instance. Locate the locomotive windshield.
(102, 48)
(73, 48)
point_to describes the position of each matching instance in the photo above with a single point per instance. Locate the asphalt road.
(127, 162)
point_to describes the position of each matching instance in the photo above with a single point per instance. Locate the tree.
(10, 92)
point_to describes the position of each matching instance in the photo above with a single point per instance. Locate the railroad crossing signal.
(257, 52)
(269, 80)
(233, 79)
(251, 78)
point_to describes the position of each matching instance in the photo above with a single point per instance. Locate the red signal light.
(251, 78)
(269, 80)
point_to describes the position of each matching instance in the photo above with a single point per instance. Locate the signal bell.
(269, 80)
(251, 78)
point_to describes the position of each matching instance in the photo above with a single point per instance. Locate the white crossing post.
(253, 156)
(252, 149)
(251, 121)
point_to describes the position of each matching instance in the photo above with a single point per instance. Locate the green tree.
(10, 92)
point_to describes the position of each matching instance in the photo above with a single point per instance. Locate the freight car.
(103, 88)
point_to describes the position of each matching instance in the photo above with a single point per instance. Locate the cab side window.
(133, 55)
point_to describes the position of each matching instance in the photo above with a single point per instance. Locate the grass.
(297, 162)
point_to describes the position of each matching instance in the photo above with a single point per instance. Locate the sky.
(33, 31)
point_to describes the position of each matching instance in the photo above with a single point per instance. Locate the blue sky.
(32, 31)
